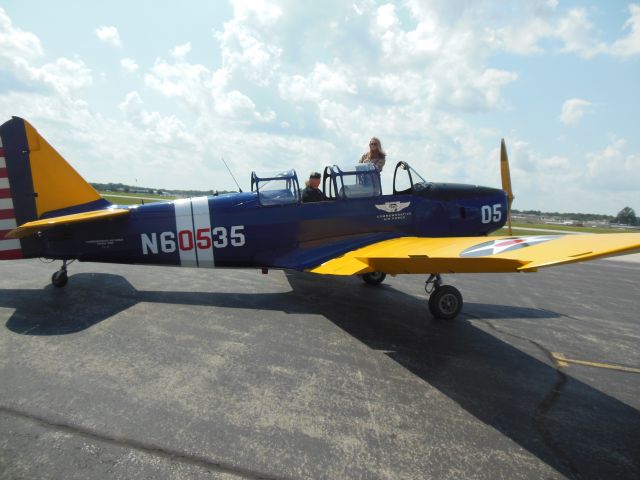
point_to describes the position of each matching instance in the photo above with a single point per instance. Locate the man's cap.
(315, 175)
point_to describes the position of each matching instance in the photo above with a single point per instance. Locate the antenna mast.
(231, 173)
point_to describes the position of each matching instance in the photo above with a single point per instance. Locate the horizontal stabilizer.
(35, 226)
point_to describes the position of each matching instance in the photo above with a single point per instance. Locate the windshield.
(406, 180)
(416, 176)
(281, 189)
(273, 183)
(419, 183)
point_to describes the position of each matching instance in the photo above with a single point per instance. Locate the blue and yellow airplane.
(48, 210)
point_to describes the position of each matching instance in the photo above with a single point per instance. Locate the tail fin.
(36, 182)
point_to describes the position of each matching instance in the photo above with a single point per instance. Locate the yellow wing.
(30, 228)
(478, 254)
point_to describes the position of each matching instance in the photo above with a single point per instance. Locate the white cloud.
(190, 82)
(436, 61)
(629, 45)
(572, 27)
(321, 82)
(163, 129)
(578, 34)
(256, 11)
(243, 50)
(180, 50)
(386, 16)
(109, 34)
(242, 41)
(132, 105)
(405, 47)
(613, 168)
(539, 22)
(573, 110)
(203, 91)
(64, 74)
(21, 54)
(129, 64)
(16, 45)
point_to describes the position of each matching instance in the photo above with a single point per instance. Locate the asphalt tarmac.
(145, 372)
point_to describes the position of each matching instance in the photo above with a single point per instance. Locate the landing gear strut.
(445, 301)
(60, 278)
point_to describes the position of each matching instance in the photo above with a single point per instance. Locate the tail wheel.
(374, 278)
(445, 302)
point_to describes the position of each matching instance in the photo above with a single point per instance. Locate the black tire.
(59, 279)
(374, 278)
(445, 303)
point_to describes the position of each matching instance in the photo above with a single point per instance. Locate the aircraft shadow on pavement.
(564, 422)
(94, 297)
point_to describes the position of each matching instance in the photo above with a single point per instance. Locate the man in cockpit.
(312, 192)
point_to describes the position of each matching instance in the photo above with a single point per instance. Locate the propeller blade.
(506, 180)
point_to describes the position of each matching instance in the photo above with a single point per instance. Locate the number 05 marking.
(491, 213)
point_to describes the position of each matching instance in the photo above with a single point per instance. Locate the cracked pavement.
(145, 372)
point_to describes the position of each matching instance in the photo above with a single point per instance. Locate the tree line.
(121, 187)
(625, 216)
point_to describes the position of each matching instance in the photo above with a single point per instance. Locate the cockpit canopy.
(361, 181)
(281, 189)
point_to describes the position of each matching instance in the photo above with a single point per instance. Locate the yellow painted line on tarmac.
(563, 361)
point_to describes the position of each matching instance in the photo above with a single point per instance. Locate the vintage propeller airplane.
(48, 210)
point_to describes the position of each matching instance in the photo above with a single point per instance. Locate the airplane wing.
(30, 228)
(478, 254)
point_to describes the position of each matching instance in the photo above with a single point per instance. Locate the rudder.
(15, 202)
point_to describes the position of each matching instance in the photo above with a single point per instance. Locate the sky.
(155, 93)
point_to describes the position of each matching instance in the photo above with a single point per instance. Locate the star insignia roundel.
(494, 247)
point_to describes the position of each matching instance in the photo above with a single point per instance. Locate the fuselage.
(240, 230)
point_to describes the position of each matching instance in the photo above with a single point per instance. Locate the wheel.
(374, 278)
(445, 302)
(59, 279)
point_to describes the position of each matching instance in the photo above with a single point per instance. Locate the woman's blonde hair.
(382, 152)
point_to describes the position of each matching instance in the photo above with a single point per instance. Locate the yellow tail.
(35, 183)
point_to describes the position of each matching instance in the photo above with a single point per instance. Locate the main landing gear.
(374, 278)
(60, 278)
(445, 301)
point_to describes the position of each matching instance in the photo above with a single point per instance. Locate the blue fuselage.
(237, 230)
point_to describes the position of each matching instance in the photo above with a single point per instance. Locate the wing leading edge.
(478, 254)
